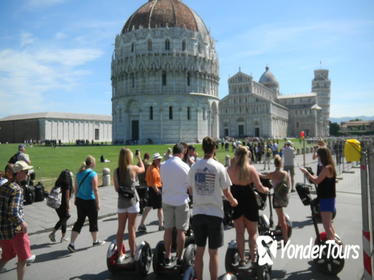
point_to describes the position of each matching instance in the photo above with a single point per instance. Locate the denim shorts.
(327, 205)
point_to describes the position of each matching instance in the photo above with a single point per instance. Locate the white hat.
(289, 142)
(21, 166)
(157, 156)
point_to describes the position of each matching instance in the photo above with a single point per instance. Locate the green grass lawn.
(48, 162)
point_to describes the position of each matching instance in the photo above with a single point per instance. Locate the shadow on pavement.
(106, 275)
(56, 255)
(301, 224)
(39, 246)
(309, 274)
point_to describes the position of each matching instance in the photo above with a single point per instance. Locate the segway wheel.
(158, 257)
(289, 226)
(112, 255)
(189, 256)
(232, 260)
(189, 274)
(144, 262)
(263, 272)
(329, 264)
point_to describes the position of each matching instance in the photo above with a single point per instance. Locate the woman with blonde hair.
(87, 202)
(245, 178)
(124, 179)
(281, 183)
(326, 191)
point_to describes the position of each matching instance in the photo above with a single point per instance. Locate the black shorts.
(154, 199)
(210, 227)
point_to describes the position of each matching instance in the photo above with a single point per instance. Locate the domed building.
(258, 109)
(164, 77)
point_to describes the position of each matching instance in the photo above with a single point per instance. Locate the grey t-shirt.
(24, 157)
(288, 156)
(208, 179)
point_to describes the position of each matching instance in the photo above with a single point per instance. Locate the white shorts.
(130, 210)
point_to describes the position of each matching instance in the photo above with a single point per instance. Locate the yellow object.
(352, 150)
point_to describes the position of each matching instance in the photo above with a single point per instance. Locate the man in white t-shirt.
(175, 200)
(208, 179)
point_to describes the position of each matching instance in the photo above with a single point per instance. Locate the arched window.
(188, 79)
(204, 114)
(199, 47)
(170, 112)
(132, 77)
(149, 44)
(188, 113)
(132, 47)
(167, 44)
(151, 113)
(164, 78)
(297, 124)
(183, 45)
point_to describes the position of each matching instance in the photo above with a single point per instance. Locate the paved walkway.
(42, 218)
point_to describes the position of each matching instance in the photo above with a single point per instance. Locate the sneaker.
(30, 260)
(179, 262)
(167, 261)
(121, 259)
(242, 264)
(52, 237)
(98, 243)
(160, 228)
(63, 239)
(142, 228)
(71, 248)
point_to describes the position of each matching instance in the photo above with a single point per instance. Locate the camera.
(137, 152)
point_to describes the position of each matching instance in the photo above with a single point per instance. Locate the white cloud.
(26, 39)
(43, 3)
(27, 77)
(74, 57)
(288, 37)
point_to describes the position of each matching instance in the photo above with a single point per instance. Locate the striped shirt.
(11, 210)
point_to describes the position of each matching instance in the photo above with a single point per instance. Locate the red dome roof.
(164, 13)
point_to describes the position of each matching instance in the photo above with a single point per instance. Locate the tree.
(334, 129)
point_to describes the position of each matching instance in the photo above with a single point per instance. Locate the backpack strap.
(82, 181)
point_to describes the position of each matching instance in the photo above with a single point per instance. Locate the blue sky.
(55, 55)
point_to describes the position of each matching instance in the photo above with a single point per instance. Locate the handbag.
(54, 198)
(260, 199)
(124, 191)
(280, 198)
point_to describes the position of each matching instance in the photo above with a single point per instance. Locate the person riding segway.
(281, 181)
(326, 193)
(139, 257)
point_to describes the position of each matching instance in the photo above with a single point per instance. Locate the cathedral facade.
(164, 77)
(258, 109)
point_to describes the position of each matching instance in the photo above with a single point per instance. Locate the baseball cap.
(21, 166)
(21, 146)
(289, 142)
(157, 156)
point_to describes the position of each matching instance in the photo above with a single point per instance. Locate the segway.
(327, 264)
(141, 263)
(265, 224)
(159, 265)
(304, 192)
(232, 265)
(188, 258)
